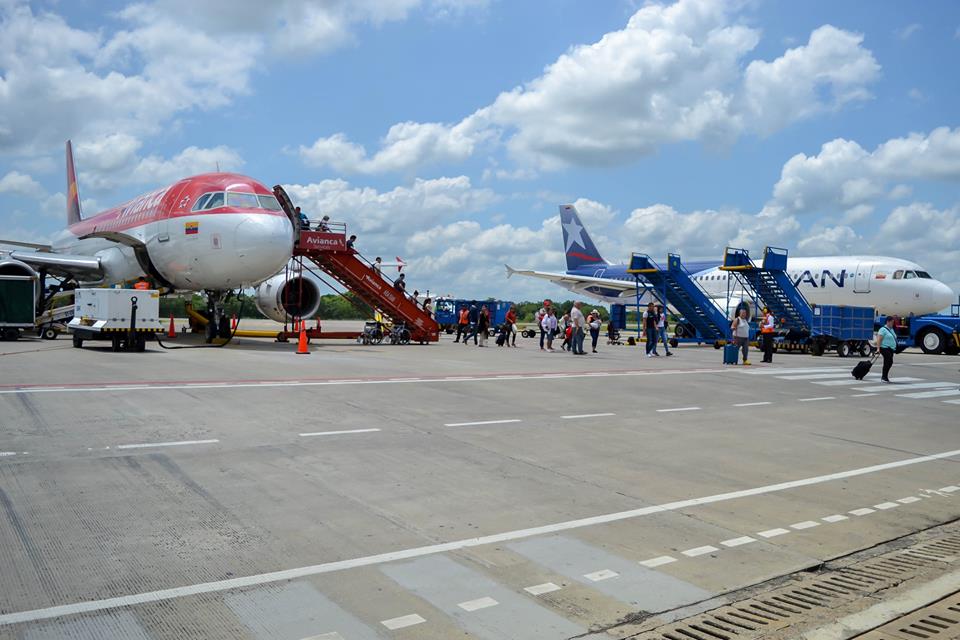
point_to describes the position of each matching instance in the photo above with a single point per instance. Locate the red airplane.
(214, 232)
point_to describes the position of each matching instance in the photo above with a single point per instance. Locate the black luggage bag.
(863, 368)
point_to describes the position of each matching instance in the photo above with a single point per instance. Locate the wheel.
(864, 349)
(141, 343)
(224, 331)
(932, 341)
(48, 333)
(404, 337)
(717, 345)
(816, 348)
(11, 333)
(674, 342)
(679, 331)
(77, 341)
(116, 344)
(843, 350)
(210, 332)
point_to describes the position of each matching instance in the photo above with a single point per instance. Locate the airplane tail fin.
(74, 215)
(577, 244)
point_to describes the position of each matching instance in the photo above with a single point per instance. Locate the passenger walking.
(548, 326)
(567, 328)
(463, 323)
(538, 318)
(650, 320)
(350, 242)
(662, 328)
(428, 305)
(887, 344)
(579, 323)
(741, 333)
(303, 219)
(474, 323)
(324, 224)
(378, 265)
(400, 284)
(766, 334)
(483, 326)
(594, 324)
(510, 324)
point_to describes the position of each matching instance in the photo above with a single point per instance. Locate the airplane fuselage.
(890, 285)
(216, 231)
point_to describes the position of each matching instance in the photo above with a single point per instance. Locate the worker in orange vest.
(141, 284)
(766, 334)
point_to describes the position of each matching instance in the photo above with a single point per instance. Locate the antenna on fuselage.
(218, 166)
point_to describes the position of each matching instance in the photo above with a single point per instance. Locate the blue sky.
(448, 131)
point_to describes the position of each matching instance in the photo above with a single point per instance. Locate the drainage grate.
(808, 597)
(939, 621)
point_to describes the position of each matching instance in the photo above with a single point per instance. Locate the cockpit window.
(242, 200)
(202, 200)
(216, 200)
(909, 274)
(924, 274)
(898, 274)
(269, 203)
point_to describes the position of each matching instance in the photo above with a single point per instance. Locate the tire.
(404, 337)
(816, 348)
(844, 350)
(49, 333)
(77, 341)
(116, 344)
(932, 341)
(224, 331)
(680, 331)
(673, 342)
(864, 349)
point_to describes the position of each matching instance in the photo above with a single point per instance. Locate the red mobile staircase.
(328, 251)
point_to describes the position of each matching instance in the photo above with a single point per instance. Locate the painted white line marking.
(284, 575)
(816, 376)
(772, 371)
(834, 518)
(480, 603)
(861, 512)
(806, 524)
(351, 381)
(772, 533)
(7, 453)
(659, 561)
(895, 388)
(863, 395)
(950, 489)
(588, 415)
(165, 444)
(908, 500)
(470, 424)
(736, 542)
(752, 404)
(402, 622)
(883, 506)
(952, 401)
(333, 635)
(699, 551)
(816, 399)
(931, 394)
(336, 433)
(603, 574)
(678, 409)
(540, 589)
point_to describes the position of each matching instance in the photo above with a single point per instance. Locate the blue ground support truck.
(934, 333)
(447, 310)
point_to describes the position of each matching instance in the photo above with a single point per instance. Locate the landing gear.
(218, 324)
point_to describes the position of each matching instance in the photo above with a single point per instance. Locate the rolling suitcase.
(731, 353)
(501, 338)
(863, 368)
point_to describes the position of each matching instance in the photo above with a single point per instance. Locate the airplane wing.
(606, 289)
(61, 264)
(28, 245)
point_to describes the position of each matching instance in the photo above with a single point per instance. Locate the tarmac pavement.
(441, 491)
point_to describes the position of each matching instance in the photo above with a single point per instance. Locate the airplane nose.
(263, 244)
(943, 296)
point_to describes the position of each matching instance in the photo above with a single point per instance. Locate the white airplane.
(890, 285)
(214, 232)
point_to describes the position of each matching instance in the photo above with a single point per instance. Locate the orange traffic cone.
(233, 323)
(172, 329)
(302, 343)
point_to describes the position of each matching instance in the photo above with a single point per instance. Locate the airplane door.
(861, 281)
(180, 203)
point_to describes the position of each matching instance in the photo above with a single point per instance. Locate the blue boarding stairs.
(772, 286)
(677, 288)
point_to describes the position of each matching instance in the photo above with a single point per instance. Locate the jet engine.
(288, 295)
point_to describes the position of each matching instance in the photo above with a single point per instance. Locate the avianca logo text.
(808, 278)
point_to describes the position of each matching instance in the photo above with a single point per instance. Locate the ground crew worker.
(141, 284)
(463, 323)
(766, 334)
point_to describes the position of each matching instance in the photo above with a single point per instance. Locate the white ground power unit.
(126, 317)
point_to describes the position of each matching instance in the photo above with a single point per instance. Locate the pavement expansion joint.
(797, 604)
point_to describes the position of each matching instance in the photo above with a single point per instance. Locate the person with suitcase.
(887, 345)
(741, 334)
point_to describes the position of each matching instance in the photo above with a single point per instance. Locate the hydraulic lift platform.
(327, 249)
(772, 286)
(675, 287)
